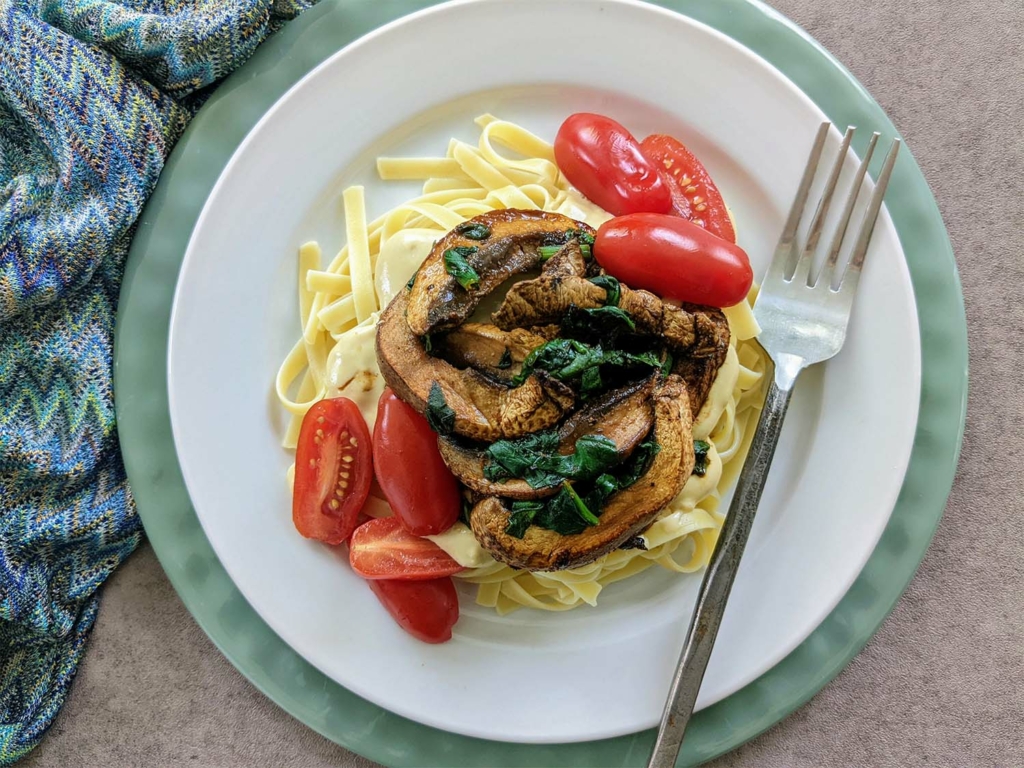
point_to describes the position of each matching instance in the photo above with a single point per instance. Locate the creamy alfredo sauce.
(352, 369)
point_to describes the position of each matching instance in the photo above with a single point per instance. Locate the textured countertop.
(941, 684)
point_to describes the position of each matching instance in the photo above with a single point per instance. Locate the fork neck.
(787, 368)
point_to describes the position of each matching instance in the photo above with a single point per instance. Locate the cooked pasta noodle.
(339, 306)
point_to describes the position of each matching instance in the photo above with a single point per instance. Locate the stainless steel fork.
(803, 320)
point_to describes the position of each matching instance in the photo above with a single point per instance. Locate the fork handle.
(721, 571)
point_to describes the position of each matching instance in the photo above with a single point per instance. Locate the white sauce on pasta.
(352, 369)
(576, 206)
(459, 542)
(399, 259)
(339, 306)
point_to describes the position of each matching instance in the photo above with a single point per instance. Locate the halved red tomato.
(383, 549)
(333, 468)
(695, 196)
(427, 610)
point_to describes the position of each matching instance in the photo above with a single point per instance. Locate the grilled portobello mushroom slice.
(497, 245)
(624, 416)
(547, 299)
(498, 354)
(700, 368)
(567, 261)
(627, 512)
(484, 409)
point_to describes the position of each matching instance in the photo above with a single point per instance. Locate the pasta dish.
(600, 375)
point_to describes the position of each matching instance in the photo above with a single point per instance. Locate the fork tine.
(784, 251)
(828, 268)
(803, 266)
(826, 196)
(848, 282)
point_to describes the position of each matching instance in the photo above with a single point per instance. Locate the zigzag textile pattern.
(93, 96)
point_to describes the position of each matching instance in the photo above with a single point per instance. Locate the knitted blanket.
(93, 95)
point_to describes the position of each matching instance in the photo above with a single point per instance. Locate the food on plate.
(679, 259)
(631, 499)
(694, 195)
(553, 348)
(422, 491)
(623, 415)
(384, 548)
(473, 259)
(427, 610)
(332, 471)
(603, 161)
(496, 353)
(575, 299)
(599, 321)
(508, 243)
(476, 405)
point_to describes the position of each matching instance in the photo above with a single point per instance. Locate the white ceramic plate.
(406, 89)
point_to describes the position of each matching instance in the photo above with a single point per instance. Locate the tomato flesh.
(674, 258)
(418, 485)
(603, 161)
(427, 610)
(383, 549)
(695, 196)
(333, 469)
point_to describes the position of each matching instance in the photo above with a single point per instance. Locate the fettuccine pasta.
(340, 302)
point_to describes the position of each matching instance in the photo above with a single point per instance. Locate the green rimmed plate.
(195, 570)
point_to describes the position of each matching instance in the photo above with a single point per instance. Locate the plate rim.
(165, 228)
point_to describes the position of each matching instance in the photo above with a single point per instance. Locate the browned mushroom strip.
(546, 299)
(627, 512)
(484, 409)
(438, 302)
(488, 349)
(624, 416)
(568, 261)
(700, 367)
(699, 332)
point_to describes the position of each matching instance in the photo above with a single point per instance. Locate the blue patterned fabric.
(93, 95)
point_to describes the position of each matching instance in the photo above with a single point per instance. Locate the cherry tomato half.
(383, 549)
(603, 161)
(427, 610)
(674, 258)
(695, 196)
(333, 469)
(418, 485)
